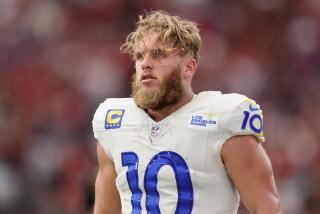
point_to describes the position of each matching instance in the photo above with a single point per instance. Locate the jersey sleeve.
(246, 119)
(97, 122)
(98, 125)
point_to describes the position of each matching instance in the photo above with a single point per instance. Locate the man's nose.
(147, 62)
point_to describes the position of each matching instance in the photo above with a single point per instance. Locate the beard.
(169, 92)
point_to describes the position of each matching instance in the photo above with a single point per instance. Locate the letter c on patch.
(114, 116)
(113, 119)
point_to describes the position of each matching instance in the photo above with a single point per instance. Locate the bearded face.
(169, 91)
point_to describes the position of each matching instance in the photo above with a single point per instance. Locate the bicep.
(250, 170)
(107, 198)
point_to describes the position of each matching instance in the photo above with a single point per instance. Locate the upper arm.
(250, 170)
(107, 198)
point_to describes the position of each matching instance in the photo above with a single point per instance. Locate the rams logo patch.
(114, 118)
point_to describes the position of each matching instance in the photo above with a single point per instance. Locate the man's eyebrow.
(143, 50)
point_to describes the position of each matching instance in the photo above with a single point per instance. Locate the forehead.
(149, 42)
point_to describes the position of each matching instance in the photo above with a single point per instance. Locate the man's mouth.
(147, 78)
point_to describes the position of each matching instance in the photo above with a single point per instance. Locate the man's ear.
(191, 66)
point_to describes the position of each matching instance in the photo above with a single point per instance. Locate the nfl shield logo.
(155, 131)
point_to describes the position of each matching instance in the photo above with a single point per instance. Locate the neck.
(158, 115)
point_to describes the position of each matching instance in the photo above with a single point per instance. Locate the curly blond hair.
(172, 31)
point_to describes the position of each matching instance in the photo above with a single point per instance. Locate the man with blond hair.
(168, 150)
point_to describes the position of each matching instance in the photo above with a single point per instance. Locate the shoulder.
(238, 114)
(221, 102)
(110, 109)
(113, 104)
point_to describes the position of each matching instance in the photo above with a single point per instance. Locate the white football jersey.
(174, 166)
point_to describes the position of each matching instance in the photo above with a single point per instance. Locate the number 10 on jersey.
(181, 172)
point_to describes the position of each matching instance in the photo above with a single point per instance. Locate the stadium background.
(60, 58)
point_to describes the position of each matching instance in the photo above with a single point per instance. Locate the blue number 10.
(248, 117)
(181, 172)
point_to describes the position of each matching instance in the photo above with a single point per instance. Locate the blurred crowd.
(60, 58)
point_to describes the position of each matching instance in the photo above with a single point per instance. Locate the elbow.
(270, 206)
(277, 206)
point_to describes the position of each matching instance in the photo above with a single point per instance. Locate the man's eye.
(159, 54)
(138, 56)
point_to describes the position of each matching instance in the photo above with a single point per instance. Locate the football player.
(168, 150)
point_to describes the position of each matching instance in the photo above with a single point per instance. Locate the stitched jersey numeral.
(182, 175)
(254, 121)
